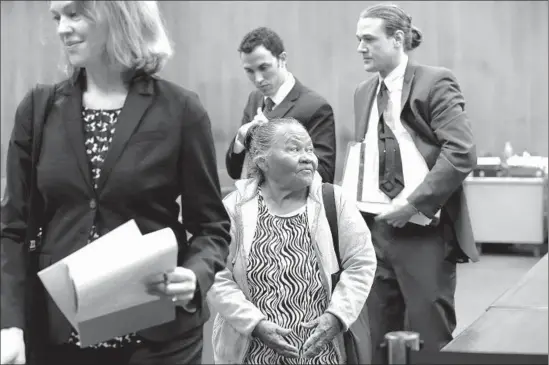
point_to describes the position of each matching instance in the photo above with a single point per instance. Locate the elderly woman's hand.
(272, 335)
(179, 284)
(327, 326)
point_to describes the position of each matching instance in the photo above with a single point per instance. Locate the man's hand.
(243, 130)
(272, 335)
(327, 326)
(399, 215)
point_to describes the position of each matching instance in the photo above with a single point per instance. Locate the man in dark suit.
(417, 148)
(279, 95)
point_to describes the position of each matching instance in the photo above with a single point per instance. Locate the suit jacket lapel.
(288, 103)
(407, 83)
(406, 116)
(418, 130)
(71, 113)
(365, 98)
(137, 102)
(367, 95)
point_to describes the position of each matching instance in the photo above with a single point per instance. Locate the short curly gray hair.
(259, 140)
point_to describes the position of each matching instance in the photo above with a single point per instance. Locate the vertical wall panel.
(497, 49)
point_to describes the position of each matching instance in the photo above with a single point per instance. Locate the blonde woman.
(118, 143)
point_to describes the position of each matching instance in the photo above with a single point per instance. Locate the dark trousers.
(186, 349)
(414, 285)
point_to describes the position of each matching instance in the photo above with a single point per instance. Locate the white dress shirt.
(283, 90)
(413, 164)
(277, 98)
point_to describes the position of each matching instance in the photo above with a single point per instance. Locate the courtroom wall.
(497, 49)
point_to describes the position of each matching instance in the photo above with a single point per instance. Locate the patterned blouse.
(285, 284)
(99, 128)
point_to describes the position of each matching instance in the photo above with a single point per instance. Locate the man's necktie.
(391, 177)
(268, 105)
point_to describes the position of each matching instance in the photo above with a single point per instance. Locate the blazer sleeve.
(225, 296)
(14, 217)
(203, 212)
(235, 161)
(321, 128)
(358, 259)
(457, 158)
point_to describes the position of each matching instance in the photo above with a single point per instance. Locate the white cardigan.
(229, 296)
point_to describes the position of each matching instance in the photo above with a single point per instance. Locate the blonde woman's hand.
(326, 327)
(179, 285)
(12, 347)
(272, 335)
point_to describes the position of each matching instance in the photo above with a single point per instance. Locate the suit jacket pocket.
(141, 145)
(146, 136)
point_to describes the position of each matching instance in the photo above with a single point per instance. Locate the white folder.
(352, 186)
(102, 288)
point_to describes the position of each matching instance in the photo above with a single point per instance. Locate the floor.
(478, 285)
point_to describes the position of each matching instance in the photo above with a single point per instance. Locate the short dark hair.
(396, 19)
(262, 36)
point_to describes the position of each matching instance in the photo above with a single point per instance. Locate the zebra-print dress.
(285, 284)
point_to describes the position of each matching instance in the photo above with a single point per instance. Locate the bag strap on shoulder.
(331, 213)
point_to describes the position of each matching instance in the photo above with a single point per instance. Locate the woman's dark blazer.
(162, 148)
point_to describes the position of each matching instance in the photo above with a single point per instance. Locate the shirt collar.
(393, 80)
(284, 89)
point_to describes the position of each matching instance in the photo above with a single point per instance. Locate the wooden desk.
(530, 291)
(505, 330)
(516, 323)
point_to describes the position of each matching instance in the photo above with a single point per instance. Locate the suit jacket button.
(93, 204)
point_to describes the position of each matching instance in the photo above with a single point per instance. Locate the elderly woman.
(275, 301)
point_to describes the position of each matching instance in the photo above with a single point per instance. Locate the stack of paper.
(353, 184)
(102, 288)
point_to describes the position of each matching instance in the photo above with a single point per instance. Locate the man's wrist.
(414, 208)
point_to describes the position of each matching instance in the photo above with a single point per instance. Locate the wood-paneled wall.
(497, 49)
